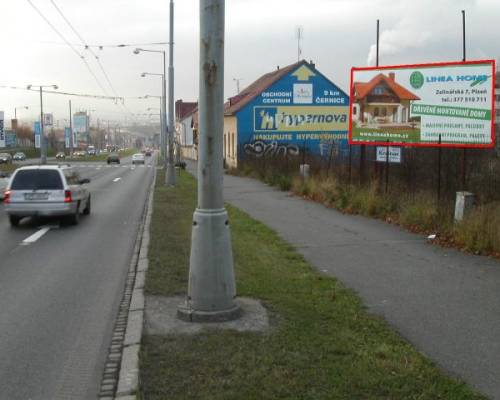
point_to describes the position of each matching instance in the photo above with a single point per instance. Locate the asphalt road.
(445, 302)
(59, 295)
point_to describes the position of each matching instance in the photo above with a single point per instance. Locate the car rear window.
(37, 180)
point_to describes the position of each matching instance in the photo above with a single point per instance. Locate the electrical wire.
(68, 44)
(86, 46)
(104, 46)
(93, 96)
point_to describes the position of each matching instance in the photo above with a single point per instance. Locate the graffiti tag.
(260, 148)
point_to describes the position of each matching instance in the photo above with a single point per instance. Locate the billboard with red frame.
(439, 104)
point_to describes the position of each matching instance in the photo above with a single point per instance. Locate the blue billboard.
(38, 133)
(302, 111)
(67, 137)
(10, 139)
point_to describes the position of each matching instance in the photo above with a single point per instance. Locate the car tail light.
(67, 196)
(6, 196)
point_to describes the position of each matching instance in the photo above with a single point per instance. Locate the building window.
(378, 90)
(225, 145)
(354, 110)
(384, 111)
(376, 112)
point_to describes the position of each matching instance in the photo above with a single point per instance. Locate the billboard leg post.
(387, 168)
(439, 174)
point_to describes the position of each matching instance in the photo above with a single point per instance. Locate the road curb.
(129, 371)
(122, 365)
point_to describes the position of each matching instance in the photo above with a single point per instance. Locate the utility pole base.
(170, 175)
(212, 288)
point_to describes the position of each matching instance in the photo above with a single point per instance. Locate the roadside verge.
(322, 343)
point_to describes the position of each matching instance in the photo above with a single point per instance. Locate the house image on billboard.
(284, 113)
(382, 102)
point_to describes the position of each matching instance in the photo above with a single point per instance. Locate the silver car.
(52, 191)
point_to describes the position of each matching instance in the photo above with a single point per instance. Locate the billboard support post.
(464, 155)
(350, 163)
(330, 159)
(387, 167)
(439, 173)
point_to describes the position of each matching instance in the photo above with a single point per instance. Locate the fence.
(439, 171)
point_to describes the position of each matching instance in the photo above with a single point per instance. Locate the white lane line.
(117, 179)
(33, 238)
(132, 168)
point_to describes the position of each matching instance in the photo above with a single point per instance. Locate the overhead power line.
(107, 46)
(69, 44)
(93, 96)
(86, 46)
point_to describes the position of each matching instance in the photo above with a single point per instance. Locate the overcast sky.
(260, 35)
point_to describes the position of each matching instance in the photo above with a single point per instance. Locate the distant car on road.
(138, 158)
(46, 190)
(5, 158)
(19, 156)
(113, 158)
(60, 156)
(91, 151)
(148, 152)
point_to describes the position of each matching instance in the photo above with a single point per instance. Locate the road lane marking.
(33, 238)
(116, 179)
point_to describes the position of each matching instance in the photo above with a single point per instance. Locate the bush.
(480, 230)
(420, 211)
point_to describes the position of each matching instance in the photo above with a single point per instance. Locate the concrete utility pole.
(212, 289)
(170, 175)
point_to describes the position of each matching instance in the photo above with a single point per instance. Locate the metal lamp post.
(43, 144)
(212, 289)
(18, 108)
(163, 127)
(15, 114)
(169, 161)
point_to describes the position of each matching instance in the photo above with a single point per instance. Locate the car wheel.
(108, 162)
(14, 220)
(86, 210)
(75, 218)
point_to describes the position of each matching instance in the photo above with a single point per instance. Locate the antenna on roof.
(300, 35)
(237, 80)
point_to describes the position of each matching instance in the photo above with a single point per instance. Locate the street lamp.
(170, 175)
(43, 144)
(163, 122)
(17, 108)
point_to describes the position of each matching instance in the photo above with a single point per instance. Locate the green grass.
(323, 345)
(8, 167)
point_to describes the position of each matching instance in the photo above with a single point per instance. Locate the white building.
(185, 129)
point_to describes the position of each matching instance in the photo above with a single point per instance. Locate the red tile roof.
(363, 89)
(184, 109)
(239, 101)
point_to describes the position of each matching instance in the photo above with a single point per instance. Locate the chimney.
(312, 64)
(278, 68)
(392, 76)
